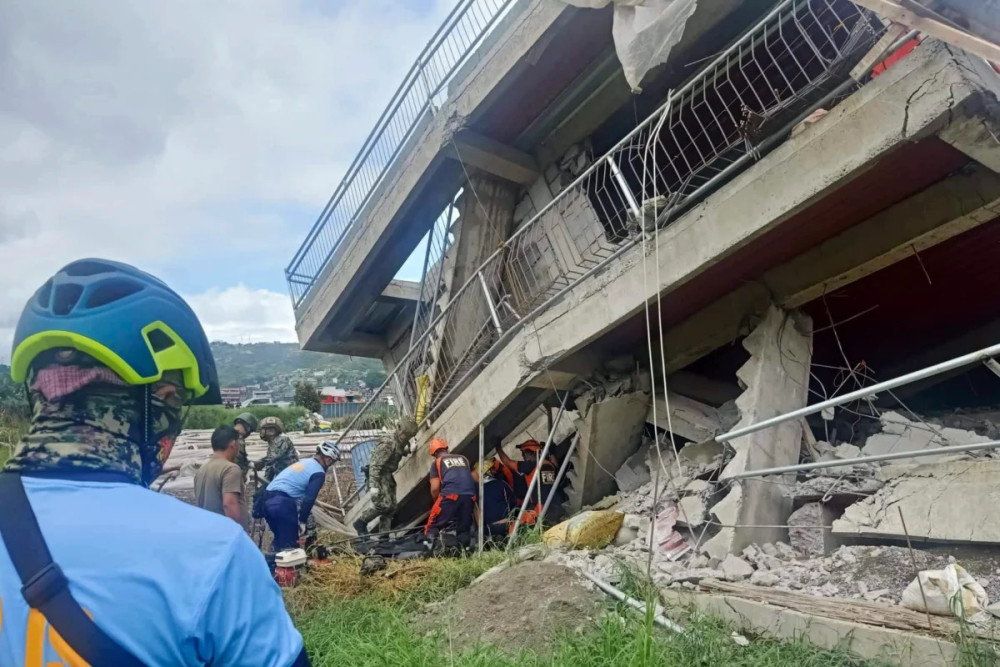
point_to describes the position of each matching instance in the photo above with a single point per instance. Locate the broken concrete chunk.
(634, 472)
(950, 501)
(735, 568)
(692, 511)
(809, 529)
(846, 451)
(764, 578)
(687, 417)
(900, 434)
(702, 455)
(697, 486)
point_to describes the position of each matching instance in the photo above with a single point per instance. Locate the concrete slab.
(896, 647)
(610, 433)
(952, 501)
(900, 434)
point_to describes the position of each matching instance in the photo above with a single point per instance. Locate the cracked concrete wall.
(776, 378)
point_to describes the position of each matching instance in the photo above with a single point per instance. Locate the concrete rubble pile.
(845, 538)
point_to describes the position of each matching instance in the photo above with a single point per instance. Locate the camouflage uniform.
(389, 450)
(242, 460)
(280, 454)
(97, 427)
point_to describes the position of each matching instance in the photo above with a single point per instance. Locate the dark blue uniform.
(455, 504)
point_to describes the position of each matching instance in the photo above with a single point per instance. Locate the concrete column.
(776, 380)
(486, 212)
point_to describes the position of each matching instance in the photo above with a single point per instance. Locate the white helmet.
(329, 450)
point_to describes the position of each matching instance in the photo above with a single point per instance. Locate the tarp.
(360, 454)
(645, 32)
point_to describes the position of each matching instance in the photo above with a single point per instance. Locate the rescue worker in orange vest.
(524, 471)
(453, 487)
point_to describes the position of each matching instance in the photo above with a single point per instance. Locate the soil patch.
(524, 606)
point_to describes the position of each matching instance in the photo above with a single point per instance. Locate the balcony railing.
(416, 100)
(741, 105)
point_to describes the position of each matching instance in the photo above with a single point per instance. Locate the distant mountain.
(278, 363)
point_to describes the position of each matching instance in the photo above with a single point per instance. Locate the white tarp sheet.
(645, 31)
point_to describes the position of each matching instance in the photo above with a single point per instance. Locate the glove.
(373, 490)
(302, 529)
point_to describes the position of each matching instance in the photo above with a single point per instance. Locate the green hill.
(266, 363)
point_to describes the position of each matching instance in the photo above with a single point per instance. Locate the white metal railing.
(413, 103)
(740, 105)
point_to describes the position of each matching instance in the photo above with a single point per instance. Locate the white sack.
(951, 591)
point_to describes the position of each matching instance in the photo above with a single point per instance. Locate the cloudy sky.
(197, 140)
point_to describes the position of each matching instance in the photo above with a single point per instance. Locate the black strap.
(45, 587)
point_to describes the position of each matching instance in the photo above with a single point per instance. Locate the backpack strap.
(45, 587)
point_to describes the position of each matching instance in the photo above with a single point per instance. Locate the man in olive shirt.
(218, 484)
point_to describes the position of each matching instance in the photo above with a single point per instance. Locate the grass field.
(344, 621)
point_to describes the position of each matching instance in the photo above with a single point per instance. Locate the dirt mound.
(523, 606)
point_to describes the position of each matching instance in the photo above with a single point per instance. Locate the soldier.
(280, 450)
(385, 458)
(245, 424)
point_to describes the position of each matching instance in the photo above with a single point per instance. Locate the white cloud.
(243, 315)
(195, 139)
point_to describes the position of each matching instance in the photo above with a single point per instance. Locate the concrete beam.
(406, 203)
(402, 290)
(942, 211)
(500, 160)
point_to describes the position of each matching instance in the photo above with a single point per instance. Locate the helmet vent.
(87, 268)
(159, 340)
(44, 296)
(65, 298)
(109, 291)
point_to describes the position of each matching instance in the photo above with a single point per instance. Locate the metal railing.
(744, 102)
(414, 102)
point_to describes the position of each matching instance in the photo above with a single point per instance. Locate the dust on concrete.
(523, 607)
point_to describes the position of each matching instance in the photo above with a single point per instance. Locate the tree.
(374, 378)
(307, 395)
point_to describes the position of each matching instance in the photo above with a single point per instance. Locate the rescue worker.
(292, 494)
(388, 452)
(498, 503)
(524, 471)
(245, 424)
(280, 450)
(109, 356)
(453, 488)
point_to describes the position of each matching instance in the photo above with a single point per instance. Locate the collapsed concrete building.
(782, 202)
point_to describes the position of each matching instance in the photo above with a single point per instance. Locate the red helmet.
(530, 446)
(438, 445)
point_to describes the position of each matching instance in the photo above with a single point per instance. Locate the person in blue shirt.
(292, 494)
(113, 573)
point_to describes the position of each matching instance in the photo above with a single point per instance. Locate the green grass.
(211, 416)
(372, 628)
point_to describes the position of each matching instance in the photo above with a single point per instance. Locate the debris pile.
(845, 536)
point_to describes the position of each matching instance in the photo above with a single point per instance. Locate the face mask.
(164, 422)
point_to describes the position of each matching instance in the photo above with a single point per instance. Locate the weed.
(358, 623)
